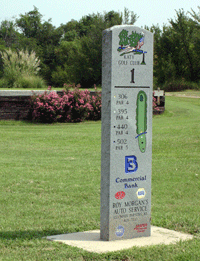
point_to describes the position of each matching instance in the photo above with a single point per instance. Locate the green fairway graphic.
(141, 120)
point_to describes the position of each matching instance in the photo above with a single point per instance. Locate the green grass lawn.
(186, 93)
(50, 184)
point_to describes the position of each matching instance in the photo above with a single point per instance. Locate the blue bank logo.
(141, 193)
(131, 164)
(119, 231)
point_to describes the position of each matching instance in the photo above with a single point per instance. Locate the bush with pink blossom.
(95, 102)
(73, 106)
(48, 107)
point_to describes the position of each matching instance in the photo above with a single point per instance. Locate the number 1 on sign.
(132, 76)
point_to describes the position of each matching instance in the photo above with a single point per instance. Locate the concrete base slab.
(90, 240)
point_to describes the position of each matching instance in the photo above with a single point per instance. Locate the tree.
(42, 37)
(8, 34)
(177, 50)
(183, 30)
(83, 65)
(112, 18)
(196, 16)
(196, 41)
(129, 17)
(30, 24)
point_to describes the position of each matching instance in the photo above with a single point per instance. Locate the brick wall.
(15, 105)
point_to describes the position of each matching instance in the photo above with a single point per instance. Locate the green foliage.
(129, 17)
(41, 37)
(60, 76)
(72, 52)
(196, 16)
(22, 62)
(8, 33)
(82, 44)
(30, 23)
(68, 56)
(112, 18)
(20, 69)
(177, 50)
(30, 82)
(179, 85)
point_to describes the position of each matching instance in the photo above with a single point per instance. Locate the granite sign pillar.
(126, 152)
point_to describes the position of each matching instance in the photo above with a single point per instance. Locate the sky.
(150, 12)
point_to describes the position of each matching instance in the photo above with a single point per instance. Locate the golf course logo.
(131, 44)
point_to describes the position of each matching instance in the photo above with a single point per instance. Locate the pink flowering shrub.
(95, 102)
(155, 107)
(78, 106)
(74, 106)
(48, 107)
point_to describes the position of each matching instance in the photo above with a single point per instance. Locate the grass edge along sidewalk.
(50, 184)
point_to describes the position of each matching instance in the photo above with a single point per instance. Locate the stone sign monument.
(126, 153)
